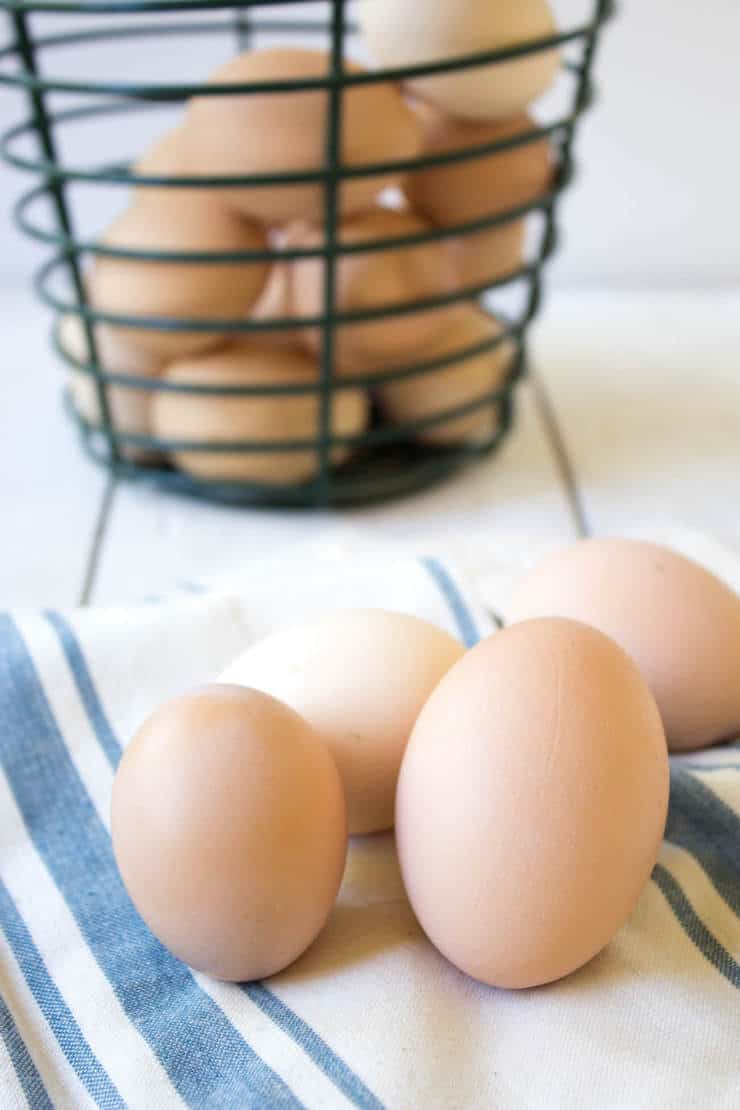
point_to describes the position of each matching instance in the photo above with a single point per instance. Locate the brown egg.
(531, 802)
(185, 220)
(399, 36)
(261, 419)
(489, 256)
(466, 191)
(129, 407)
(431, 394)
(373, 280)
(676, 619)
(165, 158)
(395, 661)
(229, 830)
(483, 186)
(274, 133)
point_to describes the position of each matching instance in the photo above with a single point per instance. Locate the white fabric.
(372, 1015)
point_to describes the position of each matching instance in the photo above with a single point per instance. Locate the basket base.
(391, 473)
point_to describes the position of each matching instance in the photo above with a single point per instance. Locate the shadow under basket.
(386, 460)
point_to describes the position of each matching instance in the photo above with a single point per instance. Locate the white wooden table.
(632, 420)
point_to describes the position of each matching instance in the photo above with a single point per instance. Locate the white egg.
(405, 34)
(360, 677)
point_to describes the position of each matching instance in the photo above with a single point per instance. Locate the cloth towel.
(93, 1011)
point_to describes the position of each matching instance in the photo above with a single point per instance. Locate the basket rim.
(172, 92)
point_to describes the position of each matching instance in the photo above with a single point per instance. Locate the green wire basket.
(386, 461)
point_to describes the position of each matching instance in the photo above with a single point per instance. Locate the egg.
(360, 677)
(229, 830)
(278, 133)
(678, 621)
(531, 802)
(186, 220)
(274, 303)
(431, 394)
(463, 192)
(441, 30)
(489, 256)
(375, 279)
(260, 419)
(129, 407)
(165, 157)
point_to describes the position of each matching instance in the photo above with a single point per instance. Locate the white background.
(657, 198)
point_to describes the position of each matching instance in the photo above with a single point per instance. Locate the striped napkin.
(94, 1012)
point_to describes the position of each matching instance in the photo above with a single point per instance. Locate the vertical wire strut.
(57, 188)
(243, 27)
(333, 164)
(602, 9)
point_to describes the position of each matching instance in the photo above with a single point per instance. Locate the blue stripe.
(701, 823)
(469, 633)
(192, 587)
(314, 1046)
(86, 687)
(695, 928)
(55, 1010)
(31, 1082)
(299, 1031)
(208, 1062)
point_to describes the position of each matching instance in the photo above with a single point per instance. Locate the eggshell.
(274, 303)
(678, 621)
(257, 418)
(166, 158)
(489, 256)
(273, 133)
(433, 393)
(129, 407)
(489, 186)
(373, 280)
(531, 802)
(360, 677)
(185, 220)
(440, 30)
(229, 830)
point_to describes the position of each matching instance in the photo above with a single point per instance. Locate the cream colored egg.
(275, 133)
(431, 394)
(129, 407)
(185, 220)
(360, 677)
(259, 419)
(531, 803)
(440, 30)
(229, 830)
(463, 192)
(678, 621)
(376, 279)
(274, 304)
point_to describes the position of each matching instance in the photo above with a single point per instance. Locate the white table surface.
(631, 422)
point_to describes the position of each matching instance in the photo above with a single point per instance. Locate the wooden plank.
(646, 390)
(154, 540)
(50, 496)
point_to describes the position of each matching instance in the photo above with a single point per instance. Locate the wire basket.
(387, 460)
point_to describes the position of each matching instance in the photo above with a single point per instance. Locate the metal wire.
(387, 460)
